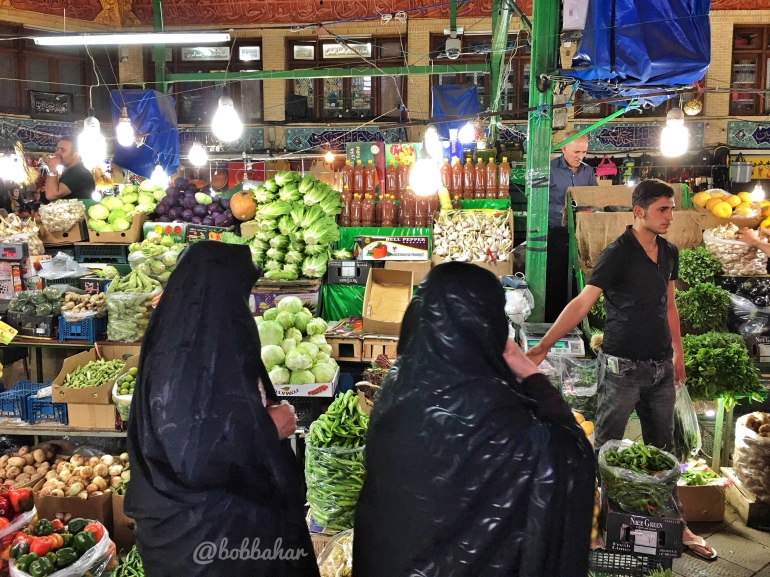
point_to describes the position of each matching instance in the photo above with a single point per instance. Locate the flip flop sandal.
(701, 542)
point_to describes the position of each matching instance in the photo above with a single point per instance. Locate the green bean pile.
(639, 479)
(93, 374)
(334, 464)
(131, 566)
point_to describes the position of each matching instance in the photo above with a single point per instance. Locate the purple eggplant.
(213, 207)
(228, 213)
(175, 212)
(189, 202)
(221, 220)
(200, 210)
(224, 203)
(196, 220)
(208, 221)
(187, 214)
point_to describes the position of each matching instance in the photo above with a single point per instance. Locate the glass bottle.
(480, 189)
(355, 210)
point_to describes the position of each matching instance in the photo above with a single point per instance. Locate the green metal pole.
(501, 21)
(160, 49)
(545, 43)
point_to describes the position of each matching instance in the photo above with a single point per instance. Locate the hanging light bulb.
(758, 194)
(432, 143)
(159, 176)
(674, 138)
(329, 157)
(226, 124)
(198, 155)
(467, 133)
(92, 146)
(124, 132)
(425, 176)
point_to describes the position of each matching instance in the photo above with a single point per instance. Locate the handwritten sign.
(51, 105)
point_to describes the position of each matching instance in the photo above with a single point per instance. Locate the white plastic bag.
(61, 266)
(94, 563)
(751, 459)
(122, 402)
(687, 438)
(62, 215)
(336, 560)
(19, 523)
(737, 257)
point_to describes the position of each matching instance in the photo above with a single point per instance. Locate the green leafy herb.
(718, 365)
(693, 478)
(704, 307)
(698, 265)
(598, 309)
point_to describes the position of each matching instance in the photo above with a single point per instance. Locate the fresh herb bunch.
(685, 441)
(704, 307)
(698, 265)
(598, 309)
(693, 478)
(718, 365)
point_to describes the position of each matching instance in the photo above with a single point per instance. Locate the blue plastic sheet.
(452, 101)
(152, 113)
(636, 47)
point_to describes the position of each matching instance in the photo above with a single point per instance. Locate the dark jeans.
(556, 270)
(644, 386)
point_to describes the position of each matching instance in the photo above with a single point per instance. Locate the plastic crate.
(308, 409)
(13, 402)
(86, 330)
(603, 564)
(101, 253)
(44, 410)
(68, 281)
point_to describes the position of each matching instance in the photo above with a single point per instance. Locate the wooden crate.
(374, 347)
(752, 512)
(345, 348)
(320, 541)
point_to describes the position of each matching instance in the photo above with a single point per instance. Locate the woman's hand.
(284, 418)
(521, 366)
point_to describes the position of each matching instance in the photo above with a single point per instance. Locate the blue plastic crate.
(44, 410)
(13, 402)
(85, 330)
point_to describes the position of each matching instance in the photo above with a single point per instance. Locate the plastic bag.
(18, 524)
(751, 458)
(122, 402)
(72, 317)
(95, 562)
(519, 304)
(336, 560)
(334, 477)
(35, 245)
(158, 267)
(634, 492)
(128, 315)
(687, 439)
(747, 319)
(737, 257)
(61, 266)
(62, 215)
(579, 385)
(550, 368)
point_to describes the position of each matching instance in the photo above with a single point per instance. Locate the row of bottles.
(466, 181)
(480, 181)
(410, 210)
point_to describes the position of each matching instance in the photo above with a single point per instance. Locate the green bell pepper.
(41, 567)
(76, 525)
(19, 550)
(51, 556)
(42, 528)
(68, 537)
(65, 557)
(83, 541)
(24, 563)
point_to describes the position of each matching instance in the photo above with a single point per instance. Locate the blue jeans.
(645, 386)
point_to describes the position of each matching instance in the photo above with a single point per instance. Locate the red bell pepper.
(21, 500)
(40, 546)
(6, 510)
(96, 529)
(57, 525)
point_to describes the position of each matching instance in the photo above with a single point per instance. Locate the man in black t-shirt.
(76, 181)
(641, 362)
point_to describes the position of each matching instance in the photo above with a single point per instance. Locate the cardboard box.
(373, 347)
(388, 294)
(249, 228)
(101, 395)
(97, 508)
(314, 390)
(625, 533)
(78, 233)
(91, 416)
(94, 285)
(392, 248)
(419, 268)
(133, 234)
(345, 348)
(123, 526)
(594, 231)
(196, 232)
(350, 271)
(267, 294)
(176, 230)
(706, 503)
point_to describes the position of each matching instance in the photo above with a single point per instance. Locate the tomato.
(96, 529)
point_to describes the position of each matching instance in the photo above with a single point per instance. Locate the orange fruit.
(764, 203)
(588, 427)
(723, 210)
(732, 200)
(715, 200)
(579, 418)
(745, 196)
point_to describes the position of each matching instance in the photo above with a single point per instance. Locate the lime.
(132, 371)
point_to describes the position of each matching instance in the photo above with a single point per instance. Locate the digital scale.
(13, 253)
(530, 334)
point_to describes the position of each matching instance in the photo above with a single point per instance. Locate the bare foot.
(698, 545)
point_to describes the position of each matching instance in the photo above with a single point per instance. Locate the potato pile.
(751, 459)
(25, 465)
(74, 303)
(85, 478)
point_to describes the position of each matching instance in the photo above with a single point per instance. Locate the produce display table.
(48, 430)
(39, 344)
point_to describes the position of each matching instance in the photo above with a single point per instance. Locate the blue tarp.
(152, 113)
(454, 100)
(633, 47)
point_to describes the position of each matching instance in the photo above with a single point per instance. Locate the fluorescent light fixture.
(134, 39)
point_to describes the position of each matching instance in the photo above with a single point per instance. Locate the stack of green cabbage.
(155, 256)
(294, 348)
(297, 225)
(115, 213)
